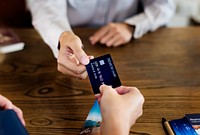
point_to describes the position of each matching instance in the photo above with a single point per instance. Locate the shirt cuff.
(141, 24)
(53, 34)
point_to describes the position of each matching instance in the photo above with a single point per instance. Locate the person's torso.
(100, 12)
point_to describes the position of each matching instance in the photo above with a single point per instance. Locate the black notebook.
(10, 124)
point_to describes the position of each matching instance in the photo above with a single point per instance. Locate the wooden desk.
(164, 65)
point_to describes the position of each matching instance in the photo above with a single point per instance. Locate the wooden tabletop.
(164, 65)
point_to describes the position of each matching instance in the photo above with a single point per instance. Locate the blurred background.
(14, 13)
(187, 13)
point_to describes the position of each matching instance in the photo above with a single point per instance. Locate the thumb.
(106, 89)
(70, 41)
(81, 55)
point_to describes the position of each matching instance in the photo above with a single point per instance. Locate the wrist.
(130, 27)
(115, 126)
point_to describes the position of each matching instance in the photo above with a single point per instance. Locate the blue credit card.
(101, 70)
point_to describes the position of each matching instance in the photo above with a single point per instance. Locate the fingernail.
(84, 60)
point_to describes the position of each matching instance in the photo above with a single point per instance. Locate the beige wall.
(185, 10)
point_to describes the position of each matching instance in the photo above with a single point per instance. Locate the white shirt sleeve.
(156, 13)
(49, 19)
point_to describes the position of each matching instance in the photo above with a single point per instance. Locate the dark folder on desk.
(10, 124)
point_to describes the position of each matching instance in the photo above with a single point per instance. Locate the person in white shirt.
(118, 20)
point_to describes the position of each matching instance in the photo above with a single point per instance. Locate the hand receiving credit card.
(101, 70)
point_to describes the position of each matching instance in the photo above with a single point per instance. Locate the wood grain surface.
(164, 65)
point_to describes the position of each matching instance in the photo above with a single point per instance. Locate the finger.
(107, 37)
(106, 89)
(97, 95)
(81, 56)
(122, 90)
(99, 34)
(99, 100)
(91, 57)
(77, 48)
(81, 75)
(65, 55)
(112, 40)
(70, 65)
(5, 103)
(73, 58)
(19, 114)
(134, 90)
(118, 43)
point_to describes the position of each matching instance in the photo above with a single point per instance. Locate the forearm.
(115, 127)
(49, 18)
(52, 33)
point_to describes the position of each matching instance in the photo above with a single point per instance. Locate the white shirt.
(52, 17)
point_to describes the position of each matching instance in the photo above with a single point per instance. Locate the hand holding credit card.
(101, 70)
